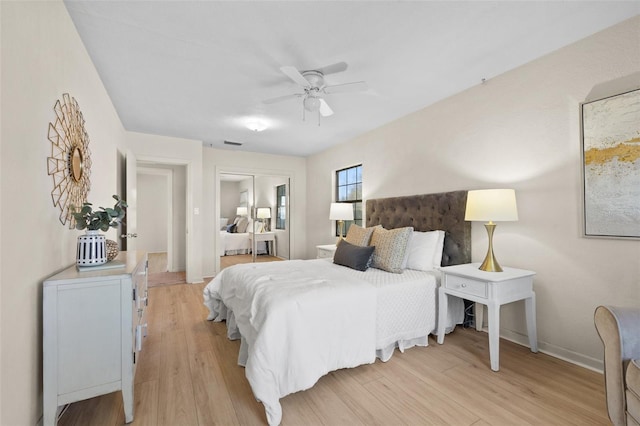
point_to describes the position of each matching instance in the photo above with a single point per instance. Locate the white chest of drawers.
(93, 325)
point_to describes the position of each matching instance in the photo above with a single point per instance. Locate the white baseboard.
(555, 351)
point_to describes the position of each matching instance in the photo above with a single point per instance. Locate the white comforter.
(297, 324)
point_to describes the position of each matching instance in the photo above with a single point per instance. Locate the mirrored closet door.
(254, 220)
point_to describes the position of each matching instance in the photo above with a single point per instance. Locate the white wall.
(153, 212)
(220, 161)
(42, 58)
(519, 130)
(179, 152)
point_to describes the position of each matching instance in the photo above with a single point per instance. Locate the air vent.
(232, 143)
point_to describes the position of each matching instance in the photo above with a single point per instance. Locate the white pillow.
(223, 223)
(425, 250)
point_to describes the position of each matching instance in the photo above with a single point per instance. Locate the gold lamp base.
(340, 231)
(490, 263)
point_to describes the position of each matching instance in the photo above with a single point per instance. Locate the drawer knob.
(463, 285)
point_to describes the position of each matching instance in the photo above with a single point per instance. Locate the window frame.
(281, 220)
(351, 182)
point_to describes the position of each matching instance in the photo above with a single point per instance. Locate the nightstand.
(325, 251)
(268, 237)
(492, 289)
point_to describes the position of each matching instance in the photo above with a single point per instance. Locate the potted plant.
(92, 248)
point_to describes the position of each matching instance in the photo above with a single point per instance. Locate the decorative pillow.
(353, 256)
(223, 223)
(437, 256)
(242, 225)
(425, 250)
(359, 236)
(237, 218)
(231, 228)
(391, 246)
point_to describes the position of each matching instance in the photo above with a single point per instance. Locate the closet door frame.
(254, 173)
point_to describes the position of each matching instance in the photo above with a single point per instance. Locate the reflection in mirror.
(262, 233)
(75, 164)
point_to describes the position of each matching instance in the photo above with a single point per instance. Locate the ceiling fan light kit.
(311, 103)
(314, 86)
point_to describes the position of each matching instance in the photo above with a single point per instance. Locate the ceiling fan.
(314, 88)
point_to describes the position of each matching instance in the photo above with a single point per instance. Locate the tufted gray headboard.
(428, 212)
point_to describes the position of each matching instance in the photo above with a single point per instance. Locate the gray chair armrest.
(619, 330)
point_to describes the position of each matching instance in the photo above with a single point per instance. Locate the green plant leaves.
(101, 219)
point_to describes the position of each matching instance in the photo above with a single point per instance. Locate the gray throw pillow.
(352, 256)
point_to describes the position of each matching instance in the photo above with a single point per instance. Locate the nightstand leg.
(442, 314)
(127, 400)
(494, 335)
(478, 315)
(530, 309)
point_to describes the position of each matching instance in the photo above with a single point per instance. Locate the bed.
(233, 243)
(298, 320)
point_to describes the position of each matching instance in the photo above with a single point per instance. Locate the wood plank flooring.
(188, 375)
(226, 261)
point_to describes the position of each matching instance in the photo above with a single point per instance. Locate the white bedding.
(406, 308)
(238, 243)
(299, 320)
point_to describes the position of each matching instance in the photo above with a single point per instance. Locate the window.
(281, 206)
(349, 190)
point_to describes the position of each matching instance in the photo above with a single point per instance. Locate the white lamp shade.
(263, 213)
(491, 205)
(241, 211)
(341, 211)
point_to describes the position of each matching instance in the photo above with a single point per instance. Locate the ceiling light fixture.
(256, 125)
(311, 103)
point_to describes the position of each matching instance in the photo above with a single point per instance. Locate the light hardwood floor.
(226, 261)
(187, 375)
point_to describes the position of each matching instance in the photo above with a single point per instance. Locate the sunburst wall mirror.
(70, 161)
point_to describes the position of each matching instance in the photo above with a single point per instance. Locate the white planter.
(92, 249)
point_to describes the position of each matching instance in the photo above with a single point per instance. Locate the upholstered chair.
(619, 329)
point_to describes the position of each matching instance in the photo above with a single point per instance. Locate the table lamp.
(489, 205)
(341, 212)
(241, 211)
(264, 213)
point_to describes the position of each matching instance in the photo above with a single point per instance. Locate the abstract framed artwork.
(611, 166)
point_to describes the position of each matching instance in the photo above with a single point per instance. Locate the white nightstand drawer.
(466, 285)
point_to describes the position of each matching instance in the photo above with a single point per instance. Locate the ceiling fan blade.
(333, 68)
(295, 75)
(281, 98)
(325, 110)
(357, 86)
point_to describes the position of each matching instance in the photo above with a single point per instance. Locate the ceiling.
(201, 69)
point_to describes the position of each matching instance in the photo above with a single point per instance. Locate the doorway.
(161, 229)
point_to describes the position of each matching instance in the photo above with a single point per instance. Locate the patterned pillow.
(391, 246)
(242, 225)
(358, 236)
